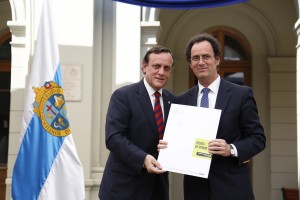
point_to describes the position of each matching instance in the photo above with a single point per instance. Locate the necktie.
(158, 115)
(204, 100)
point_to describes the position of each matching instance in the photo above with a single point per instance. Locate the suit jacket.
(229, 177)
(131, 134)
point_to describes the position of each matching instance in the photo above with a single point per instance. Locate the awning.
(181, 4)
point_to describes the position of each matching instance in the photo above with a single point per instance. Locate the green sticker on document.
(201, 149)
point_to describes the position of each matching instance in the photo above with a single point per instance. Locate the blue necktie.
(204, 100)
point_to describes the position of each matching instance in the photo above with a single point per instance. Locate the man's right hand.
(152, 166)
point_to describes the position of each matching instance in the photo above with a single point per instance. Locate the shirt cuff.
(235, 151)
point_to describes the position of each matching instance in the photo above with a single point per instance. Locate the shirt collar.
(214, 86)
(150, 90)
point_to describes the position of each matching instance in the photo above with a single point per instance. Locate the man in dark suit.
(132, 171)
(240, 135)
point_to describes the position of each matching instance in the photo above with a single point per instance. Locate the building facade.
(105, 40)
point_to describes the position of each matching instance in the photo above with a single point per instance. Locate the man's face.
(158, 69)
(204, 63)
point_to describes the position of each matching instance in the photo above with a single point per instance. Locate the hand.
(152, 165)
(219, 147)
(162, 145)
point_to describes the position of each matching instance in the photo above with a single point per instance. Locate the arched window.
(235, 64)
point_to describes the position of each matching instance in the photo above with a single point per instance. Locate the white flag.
(47, 165)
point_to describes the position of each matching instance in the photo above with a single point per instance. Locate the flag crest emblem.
(51, 109)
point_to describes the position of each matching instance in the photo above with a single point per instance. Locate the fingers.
(162, 144)
(156, 164)
(219, 147)
(152, 165)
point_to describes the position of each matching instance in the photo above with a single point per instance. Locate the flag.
(181, 4)
(47, 165)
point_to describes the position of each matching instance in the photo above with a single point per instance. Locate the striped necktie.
(158, 115)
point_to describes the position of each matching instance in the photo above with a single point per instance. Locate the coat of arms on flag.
(50, 107)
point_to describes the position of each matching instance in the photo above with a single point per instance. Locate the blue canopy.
(181, 4)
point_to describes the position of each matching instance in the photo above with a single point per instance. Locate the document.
(188, 130)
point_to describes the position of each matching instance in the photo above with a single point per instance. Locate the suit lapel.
(223, 95)
(192, 100)
(167, 105)
(146, 104)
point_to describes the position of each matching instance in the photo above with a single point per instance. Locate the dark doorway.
(5, 77)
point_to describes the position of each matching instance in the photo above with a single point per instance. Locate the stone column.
(19, 71)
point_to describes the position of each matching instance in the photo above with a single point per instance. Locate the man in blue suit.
(132, 171)
(240, 135)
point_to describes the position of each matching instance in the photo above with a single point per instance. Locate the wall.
(283, 124)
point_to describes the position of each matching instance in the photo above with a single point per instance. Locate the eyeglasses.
(205, 57)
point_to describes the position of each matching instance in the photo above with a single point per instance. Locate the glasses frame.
(197, 58)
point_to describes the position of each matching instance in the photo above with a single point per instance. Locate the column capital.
(18, 30)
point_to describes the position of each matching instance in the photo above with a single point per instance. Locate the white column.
(19, 70)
